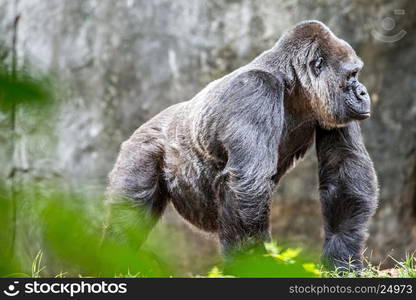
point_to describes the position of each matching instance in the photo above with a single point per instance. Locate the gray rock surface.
(121, 62)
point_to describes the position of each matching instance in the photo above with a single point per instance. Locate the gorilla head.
(326, 68)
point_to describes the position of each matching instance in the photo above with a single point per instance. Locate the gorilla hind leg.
(136, 193)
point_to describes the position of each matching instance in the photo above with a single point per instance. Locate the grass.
(288, 256)
(402, 269)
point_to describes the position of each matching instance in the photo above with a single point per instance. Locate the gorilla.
(218, 157)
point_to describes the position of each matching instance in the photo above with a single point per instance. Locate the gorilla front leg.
(348, 188)
(250, 134)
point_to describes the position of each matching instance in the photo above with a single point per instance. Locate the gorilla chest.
(294, 142)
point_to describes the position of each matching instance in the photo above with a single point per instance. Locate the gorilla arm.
(250, 128)
(348, 188)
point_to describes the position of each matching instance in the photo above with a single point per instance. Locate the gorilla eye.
(317, 65)
(354, 74)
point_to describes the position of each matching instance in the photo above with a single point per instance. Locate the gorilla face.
(353, 93)
(337, 97)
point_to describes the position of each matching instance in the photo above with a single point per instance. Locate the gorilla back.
(218, 156)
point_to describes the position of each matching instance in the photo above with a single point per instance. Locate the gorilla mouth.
(363, 116)
(357, 101)
(356, 109)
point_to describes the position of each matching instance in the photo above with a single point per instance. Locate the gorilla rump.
(218, 157)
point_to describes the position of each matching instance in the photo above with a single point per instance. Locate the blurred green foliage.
(8, 263)
(70, 234)
(275, 262)
(23, 87)
(70, 239)
(67, 242)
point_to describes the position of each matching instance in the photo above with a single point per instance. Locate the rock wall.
(121, 62)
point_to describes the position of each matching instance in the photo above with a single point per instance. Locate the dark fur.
(218, 157)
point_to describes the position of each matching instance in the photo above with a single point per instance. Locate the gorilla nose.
(361, 92)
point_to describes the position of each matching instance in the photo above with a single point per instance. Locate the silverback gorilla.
(218, 157)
